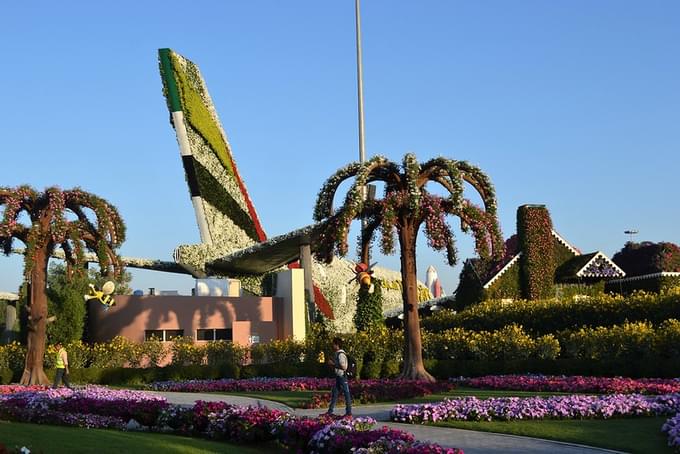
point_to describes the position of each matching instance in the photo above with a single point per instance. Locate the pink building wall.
(133, 315)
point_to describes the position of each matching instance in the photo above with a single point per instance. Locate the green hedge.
(643, 367)
(369, 306)
(508, 343)
(6, 376)
(626, 341)
(551, 315)
(133, 376)
(658, 284)
(507, 286)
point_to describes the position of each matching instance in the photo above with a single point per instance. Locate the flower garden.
(98, 407)
(597, 398)
(364, 391)
(554, 407)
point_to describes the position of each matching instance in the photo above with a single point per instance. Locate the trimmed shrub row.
(650, 366)
(626, 341)
(134, 376)
(121, 352)
(552, 315)
(655, 284)
(509, 343)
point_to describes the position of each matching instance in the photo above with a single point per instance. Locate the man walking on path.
(61, 366)
(340, 364)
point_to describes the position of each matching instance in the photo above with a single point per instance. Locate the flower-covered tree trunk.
(406, 205)
(57, 219)
(414, 369)
(37, 323)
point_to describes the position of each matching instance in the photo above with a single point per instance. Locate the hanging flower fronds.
(406, 200)
(51, 227)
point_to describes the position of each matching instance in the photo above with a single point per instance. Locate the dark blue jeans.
(341, 385)
(59, 376)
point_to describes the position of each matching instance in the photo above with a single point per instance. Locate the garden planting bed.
(98, 407)
(363, 391)
(574, 384)
(556, 407)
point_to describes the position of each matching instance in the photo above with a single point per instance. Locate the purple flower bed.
(563, 407)
(342, 436)
(94, 405)
(576, 384)
(672, 428)
(350, 436)
(295, 433)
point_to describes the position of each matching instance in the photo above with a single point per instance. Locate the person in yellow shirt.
(61, 366)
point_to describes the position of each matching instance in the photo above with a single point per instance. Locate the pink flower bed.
(219, 420)
(11, 389)
(247, 385)
(576, 384)
(364, 391)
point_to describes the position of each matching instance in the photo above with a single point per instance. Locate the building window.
(172, 334)
(211, 334)
(163, 335)
(153, 334)
(223, 335)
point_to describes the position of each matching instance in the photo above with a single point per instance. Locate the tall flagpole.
(360, 100)
(360, 85)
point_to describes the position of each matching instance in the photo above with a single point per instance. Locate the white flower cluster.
(336, 282)
(207, 158)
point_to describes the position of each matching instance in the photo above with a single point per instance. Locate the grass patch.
(297, 399)
(61, 439)
(294, 399)
(479, 393)
(635, 435)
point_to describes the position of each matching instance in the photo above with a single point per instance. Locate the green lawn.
(635, 435)
(297, 399)
(60, 439)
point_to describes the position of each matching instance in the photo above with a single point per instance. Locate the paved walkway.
(470, 441)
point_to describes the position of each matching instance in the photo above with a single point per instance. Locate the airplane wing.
(270, 255)
(129, 262)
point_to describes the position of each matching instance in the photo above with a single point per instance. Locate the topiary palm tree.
(57, 219)
(404, 208)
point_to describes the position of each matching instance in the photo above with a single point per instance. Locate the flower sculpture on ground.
(406, 206)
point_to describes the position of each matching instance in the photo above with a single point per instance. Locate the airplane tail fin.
(225, 214)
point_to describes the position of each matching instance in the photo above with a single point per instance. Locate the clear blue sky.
(574, 104)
